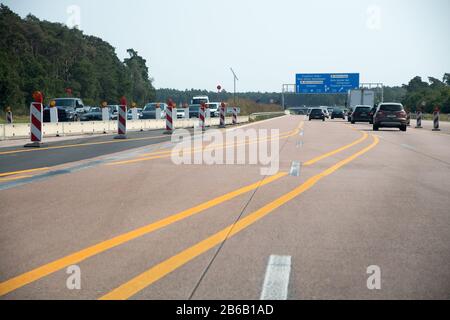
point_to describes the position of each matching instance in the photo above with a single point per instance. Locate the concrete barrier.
(22, 130)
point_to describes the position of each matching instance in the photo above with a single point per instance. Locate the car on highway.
(194, 111)
(94, 114)
(298, 110)
(214, 107)
(361, 114)
(317, 113)
(390, 115)
(66, 109)
(149, 111)
(325, 112)
(113, 111)
(130, 113)
(372, 114)
(181, 113)
(349, 114)
(337, 113)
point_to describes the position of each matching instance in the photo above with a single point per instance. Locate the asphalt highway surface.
(134, 225)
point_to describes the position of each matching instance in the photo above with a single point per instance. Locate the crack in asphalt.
(222, 244)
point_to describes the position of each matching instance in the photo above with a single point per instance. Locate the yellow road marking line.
(167, 154)
(80, 145)
(159, 271)
(47, 269)
(74, 258)
(166, 151)
(22, 171)
(14, 178)
(332, 153)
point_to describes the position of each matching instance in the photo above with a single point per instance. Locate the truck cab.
(199, 100)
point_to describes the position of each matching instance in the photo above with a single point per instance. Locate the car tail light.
(401, 113)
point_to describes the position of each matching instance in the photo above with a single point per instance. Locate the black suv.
(317, 113)
(66, 109)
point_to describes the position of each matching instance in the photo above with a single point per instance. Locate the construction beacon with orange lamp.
(134, 112)
(105, 111)
(53, 112)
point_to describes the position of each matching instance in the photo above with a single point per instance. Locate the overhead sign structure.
(326, 83)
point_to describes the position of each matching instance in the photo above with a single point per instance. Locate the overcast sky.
(193, 43)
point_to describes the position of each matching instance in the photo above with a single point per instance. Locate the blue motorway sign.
(326, 83)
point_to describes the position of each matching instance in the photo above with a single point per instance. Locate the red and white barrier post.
(9, 116)
(436, 117)
(202, 114)
(222, 115)
(235, 114)
(36, 120)
(169, 117)
(122, 120)
(419, 120)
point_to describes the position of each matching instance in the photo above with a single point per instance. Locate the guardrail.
(266, 115)
(22, 130)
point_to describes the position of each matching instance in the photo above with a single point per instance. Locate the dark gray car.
(390, 115)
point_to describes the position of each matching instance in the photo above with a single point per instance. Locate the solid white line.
(276, 281)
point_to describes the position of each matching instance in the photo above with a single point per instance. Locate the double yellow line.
(168, 153)
(77, 257)
(159, 271)
(8, 176)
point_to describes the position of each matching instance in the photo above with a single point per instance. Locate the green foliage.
(45, 56)
(426, 96)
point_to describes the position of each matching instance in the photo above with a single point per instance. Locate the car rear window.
(362, 109)
(316, 111)
(64, 102)
(391, 107)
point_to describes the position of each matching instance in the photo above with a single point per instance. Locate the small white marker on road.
(295, 169)
(276, 281)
